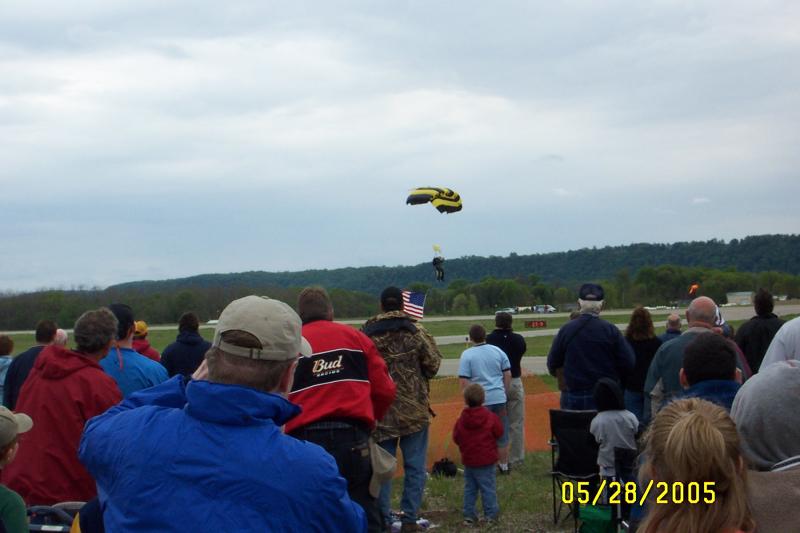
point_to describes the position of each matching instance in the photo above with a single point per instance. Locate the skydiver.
(438, 263)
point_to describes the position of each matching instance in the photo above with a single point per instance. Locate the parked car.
(544, 309)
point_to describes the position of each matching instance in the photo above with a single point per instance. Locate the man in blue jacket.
(208, 454)
(587, 349)
(131, 370)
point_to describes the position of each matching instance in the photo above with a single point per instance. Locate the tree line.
(759, 253)
(661, 285)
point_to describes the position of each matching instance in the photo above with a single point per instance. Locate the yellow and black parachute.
(445, 200)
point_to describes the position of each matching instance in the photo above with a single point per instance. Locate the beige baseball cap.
(12, 424)
(272, 322)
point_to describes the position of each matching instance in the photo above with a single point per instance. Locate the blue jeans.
(480, 479)
(501, 411)
(578, 400)
(415, 451)
(634, 402)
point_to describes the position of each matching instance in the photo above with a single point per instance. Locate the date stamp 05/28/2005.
(630, 493)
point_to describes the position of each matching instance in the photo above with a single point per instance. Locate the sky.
(149, 139)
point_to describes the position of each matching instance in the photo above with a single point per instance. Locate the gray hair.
(590, 306)
(94, 330)
(674, 321)
(61, 337)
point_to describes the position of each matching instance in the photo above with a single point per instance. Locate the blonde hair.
(689, 441)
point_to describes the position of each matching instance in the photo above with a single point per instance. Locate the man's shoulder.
(28, 354)
(495, 350)
(141, 361)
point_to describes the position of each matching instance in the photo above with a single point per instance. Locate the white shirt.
(785, 345)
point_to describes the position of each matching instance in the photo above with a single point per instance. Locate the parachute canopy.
(445, 200)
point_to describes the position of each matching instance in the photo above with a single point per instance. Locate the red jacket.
(476, 433)
(345, 377)
(143, 347)
(62, 392)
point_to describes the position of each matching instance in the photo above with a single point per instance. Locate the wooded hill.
(648, 274)
(760, 253)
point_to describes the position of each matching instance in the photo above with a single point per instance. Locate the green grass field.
(524, 496)
(537, 346)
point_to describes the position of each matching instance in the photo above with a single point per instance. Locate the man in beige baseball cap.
(216, 441)
(13, 514)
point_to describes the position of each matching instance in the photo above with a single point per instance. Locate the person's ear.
(737, 376)
(9, 455)
(683, 380)
(287, 379)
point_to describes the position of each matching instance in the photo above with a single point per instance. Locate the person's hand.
(201, 372)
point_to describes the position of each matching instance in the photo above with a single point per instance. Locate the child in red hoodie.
(476, 434)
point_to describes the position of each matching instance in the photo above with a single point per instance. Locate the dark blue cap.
(591, 292)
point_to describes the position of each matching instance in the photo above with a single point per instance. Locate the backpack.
(444, 467)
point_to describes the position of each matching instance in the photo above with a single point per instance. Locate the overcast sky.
(149, 139)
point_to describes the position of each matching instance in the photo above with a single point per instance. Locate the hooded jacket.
(143, 347)
(63, 391)
(413, 359)
(185, 354)
(213, 457)
(476, 433)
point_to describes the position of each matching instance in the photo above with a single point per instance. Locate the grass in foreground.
(525, 498)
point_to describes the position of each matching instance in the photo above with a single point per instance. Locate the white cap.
(276, 326)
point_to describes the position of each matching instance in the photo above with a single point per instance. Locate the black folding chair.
(626, 466)
(49, 518)
(573, 455)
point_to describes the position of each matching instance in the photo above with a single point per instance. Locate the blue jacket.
(669, 335)
(588, 349)
(131, 370)
(210, 457)
(718, 391)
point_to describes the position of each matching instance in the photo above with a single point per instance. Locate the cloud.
(302, 127)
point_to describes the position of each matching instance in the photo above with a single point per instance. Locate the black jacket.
(18, 372)
(754, 337)
(513, 344)
(185, 354)
(644, 350)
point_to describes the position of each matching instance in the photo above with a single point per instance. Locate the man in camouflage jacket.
(413, 359)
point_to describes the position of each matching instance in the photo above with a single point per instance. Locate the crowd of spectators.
(709, 410)
(292, 407)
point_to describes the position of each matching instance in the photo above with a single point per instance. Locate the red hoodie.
(345, 377)
(143, 347)
(62, 392)
(476, 433)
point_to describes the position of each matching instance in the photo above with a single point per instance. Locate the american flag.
(414, 303)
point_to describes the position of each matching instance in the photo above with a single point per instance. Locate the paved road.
(729, 313)
(619, 317)
(534, 365)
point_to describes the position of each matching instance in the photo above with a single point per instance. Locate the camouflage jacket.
(413, 359)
